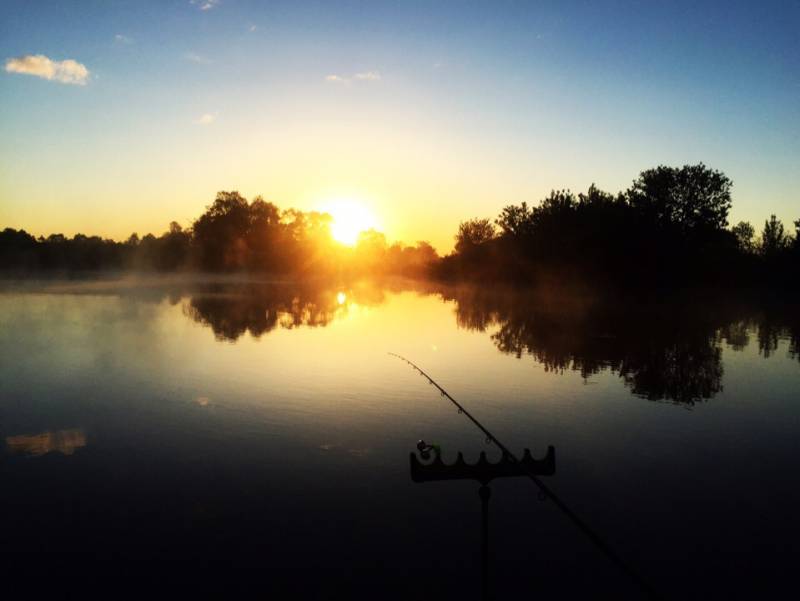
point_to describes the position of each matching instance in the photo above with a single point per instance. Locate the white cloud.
(364, 76)
(66, 71)
(252, 28)
(206, 119)
(123, 39)
(205, 4)
(197, 58)
(368, 76)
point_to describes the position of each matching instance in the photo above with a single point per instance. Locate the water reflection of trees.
(669, 352)
(665, 351)
(65, 442)
(770, 327)
(232, 310)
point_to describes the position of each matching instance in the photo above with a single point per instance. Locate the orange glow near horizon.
(350, 218)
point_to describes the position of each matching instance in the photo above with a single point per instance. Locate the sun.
(350, 218)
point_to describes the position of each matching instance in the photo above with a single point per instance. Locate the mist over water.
(208, 418)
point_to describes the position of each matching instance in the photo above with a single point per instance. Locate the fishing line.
(545, 490)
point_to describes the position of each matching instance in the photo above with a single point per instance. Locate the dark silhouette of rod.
(599, 542)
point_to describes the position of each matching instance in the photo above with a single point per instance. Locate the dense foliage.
(670, 228)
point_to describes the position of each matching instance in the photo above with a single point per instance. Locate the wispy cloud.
(197, 58)
(66, 71)
(252, 28)
(204, 4)
(205, 119)
(368, 76)
(123, 39)
(364, 76)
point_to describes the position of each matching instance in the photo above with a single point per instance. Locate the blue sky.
(426, 112)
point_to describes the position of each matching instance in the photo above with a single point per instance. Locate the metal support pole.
(485, 492)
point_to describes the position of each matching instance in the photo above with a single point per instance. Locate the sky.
(119, 117)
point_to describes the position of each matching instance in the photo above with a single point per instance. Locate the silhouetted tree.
(745, 234)
(18, 249)
(668, 230)
(172, 249)
(472, 233)
(691, 197)
(598, 199)
(515, 221)
(221, 232)
(263, 236)
(773, 237)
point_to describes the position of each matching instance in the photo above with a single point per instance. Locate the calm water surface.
(267, 422)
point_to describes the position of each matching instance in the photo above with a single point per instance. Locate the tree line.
(231, 236)
(669, 229)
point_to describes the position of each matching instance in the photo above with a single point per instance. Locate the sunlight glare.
(350, 218)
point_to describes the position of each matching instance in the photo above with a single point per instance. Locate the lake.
(266, 421)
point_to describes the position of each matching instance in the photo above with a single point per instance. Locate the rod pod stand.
(484, 472)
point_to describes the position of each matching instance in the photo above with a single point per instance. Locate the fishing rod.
(545, 491)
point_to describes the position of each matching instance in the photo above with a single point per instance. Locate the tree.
(172, 249)
(691, 198)
(473, 233)
(221, 231)
(744, 233)
(17, 249)
(424, 253)
(596, 198)
(263, 214)
(797, 234)
(263, 236)
(515, 221)
(371, 243)
(773, 237)
(558, 203)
